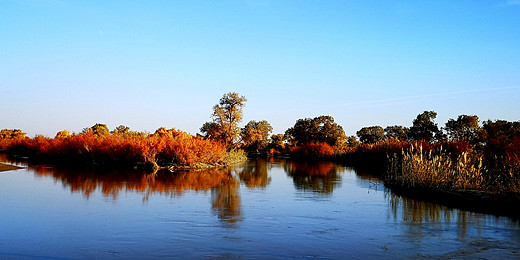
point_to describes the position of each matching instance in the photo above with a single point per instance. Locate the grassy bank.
(468, 178)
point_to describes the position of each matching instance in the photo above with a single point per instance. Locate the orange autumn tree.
(227, 114)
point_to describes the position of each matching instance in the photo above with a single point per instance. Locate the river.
(263, 209)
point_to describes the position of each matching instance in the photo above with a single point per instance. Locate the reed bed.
(417, 167)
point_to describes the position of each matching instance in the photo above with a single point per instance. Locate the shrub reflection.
(224, 187)
(254, 175)
(318, 177)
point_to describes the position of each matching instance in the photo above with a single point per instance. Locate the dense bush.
(113, 149)
(315, 150)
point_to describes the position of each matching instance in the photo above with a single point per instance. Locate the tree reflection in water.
(225, 201)
(254, 175)
(224, 187)
(319, 177)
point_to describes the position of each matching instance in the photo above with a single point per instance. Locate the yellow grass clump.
(439, 169)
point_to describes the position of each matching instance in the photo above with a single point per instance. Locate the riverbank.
(467, 179)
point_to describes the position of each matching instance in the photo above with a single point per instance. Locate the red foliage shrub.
(319, 150)
(173, 148)
(458, 147)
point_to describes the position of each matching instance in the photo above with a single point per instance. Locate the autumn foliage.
(170, 147)
(312, 150)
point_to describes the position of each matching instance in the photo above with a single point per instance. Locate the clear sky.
(147, 64)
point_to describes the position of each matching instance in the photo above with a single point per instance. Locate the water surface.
(262, 209)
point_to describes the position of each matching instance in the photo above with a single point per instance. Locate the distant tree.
(352, 141)
(464, 128)
(11, 134)
(121, 130)
(320, 129)
(226, 116)
(98, 129)
(63, 134)
(277, 141)
(255, 134)
(500, 130)
(424, 128)
(397, 132)
(371, 134)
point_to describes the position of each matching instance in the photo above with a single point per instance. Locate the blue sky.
(147, 64)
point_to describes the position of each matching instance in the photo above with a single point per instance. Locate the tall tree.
(226, 116)
(255, 134)
(321, 129)
(371, 134)
(464, 128)
(424, 128)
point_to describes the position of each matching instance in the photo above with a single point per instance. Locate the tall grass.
(442, 169)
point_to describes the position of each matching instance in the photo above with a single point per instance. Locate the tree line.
(257, 136)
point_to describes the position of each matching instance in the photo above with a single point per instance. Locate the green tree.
(371, 134)
(424, 128)
(226, 116)
(397, 132)
(255, 134)
(320, 129)
(464, 128)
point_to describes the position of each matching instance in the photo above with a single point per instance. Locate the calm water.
(263, 209)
